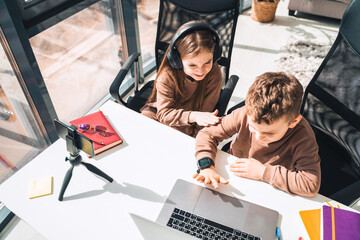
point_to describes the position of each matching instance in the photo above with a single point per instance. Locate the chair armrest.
(349, 195)
(114, 88)
(239, 105)
(225, 95)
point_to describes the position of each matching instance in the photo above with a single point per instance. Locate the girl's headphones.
(173, 55)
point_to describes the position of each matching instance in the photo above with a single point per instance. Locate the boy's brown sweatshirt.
(292, 163)
(164, 110)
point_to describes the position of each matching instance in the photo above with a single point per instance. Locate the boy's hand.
(204, 118)
(209, 176)
(248, 168)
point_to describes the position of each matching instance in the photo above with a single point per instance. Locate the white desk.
(144, 169)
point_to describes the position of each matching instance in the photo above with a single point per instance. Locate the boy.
(274, 143)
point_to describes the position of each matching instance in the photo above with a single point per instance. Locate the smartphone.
(74, 138)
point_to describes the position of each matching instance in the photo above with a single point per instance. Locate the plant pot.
(262, 11)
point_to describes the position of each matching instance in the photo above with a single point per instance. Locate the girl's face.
(198, 66)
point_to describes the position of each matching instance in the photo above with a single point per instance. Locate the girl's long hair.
(191, 44)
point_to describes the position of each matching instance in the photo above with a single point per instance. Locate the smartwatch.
(204, 163)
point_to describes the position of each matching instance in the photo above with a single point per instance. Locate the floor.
(257, 47)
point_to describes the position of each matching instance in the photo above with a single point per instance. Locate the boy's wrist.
(205, 170)
(262, 171)
(204, 163)
(268, 172)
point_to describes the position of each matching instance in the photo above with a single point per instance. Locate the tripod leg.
(66, 181)
(97, 171)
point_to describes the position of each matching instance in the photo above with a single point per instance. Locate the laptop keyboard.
(203, 228)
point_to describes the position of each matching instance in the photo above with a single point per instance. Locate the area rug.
(302, 58)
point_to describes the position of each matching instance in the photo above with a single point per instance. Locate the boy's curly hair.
(273, 95)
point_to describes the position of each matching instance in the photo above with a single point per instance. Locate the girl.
(188, 82)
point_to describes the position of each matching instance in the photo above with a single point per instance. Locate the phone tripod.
(75, 159)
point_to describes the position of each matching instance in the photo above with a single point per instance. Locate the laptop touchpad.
(221, 208)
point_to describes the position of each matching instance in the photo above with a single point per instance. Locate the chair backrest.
(220, 15)
(332, 98)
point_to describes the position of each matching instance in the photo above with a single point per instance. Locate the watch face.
(204, 163)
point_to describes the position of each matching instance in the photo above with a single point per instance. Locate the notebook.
(208, 214)
(323, 223)
(346, 224)
(103, 140)
(312, 219)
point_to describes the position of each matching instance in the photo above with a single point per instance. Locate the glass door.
(60, 67)
(58, 59)
(21, 136)
(79, 58)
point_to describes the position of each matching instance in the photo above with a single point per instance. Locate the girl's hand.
(248, 168)
(209, 176)
(204, 118)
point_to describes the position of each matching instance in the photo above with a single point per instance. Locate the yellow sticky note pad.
(40, 187)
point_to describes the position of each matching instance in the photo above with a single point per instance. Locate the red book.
(97, 127)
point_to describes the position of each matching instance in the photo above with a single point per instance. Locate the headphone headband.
(174, 56)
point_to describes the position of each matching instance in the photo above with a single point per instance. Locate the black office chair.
(332, 107)
(220, 15)
(331, 104)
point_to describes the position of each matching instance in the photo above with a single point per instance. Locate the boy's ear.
(295, 121)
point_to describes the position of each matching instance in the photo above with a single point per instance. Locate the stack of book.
(330, 223)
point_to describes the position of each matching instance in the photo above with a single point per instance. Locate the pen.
(278, 233)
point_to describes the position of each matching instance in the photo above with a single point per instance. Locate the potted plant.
(263, 10)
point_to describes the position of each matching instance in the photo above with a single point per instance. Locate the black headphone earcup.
(174, 59)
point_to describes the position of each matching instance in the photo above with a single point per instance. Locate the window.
(79, 57)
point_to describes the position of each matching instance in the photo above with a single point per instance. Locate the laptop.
(208, 214)
(151, 230)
